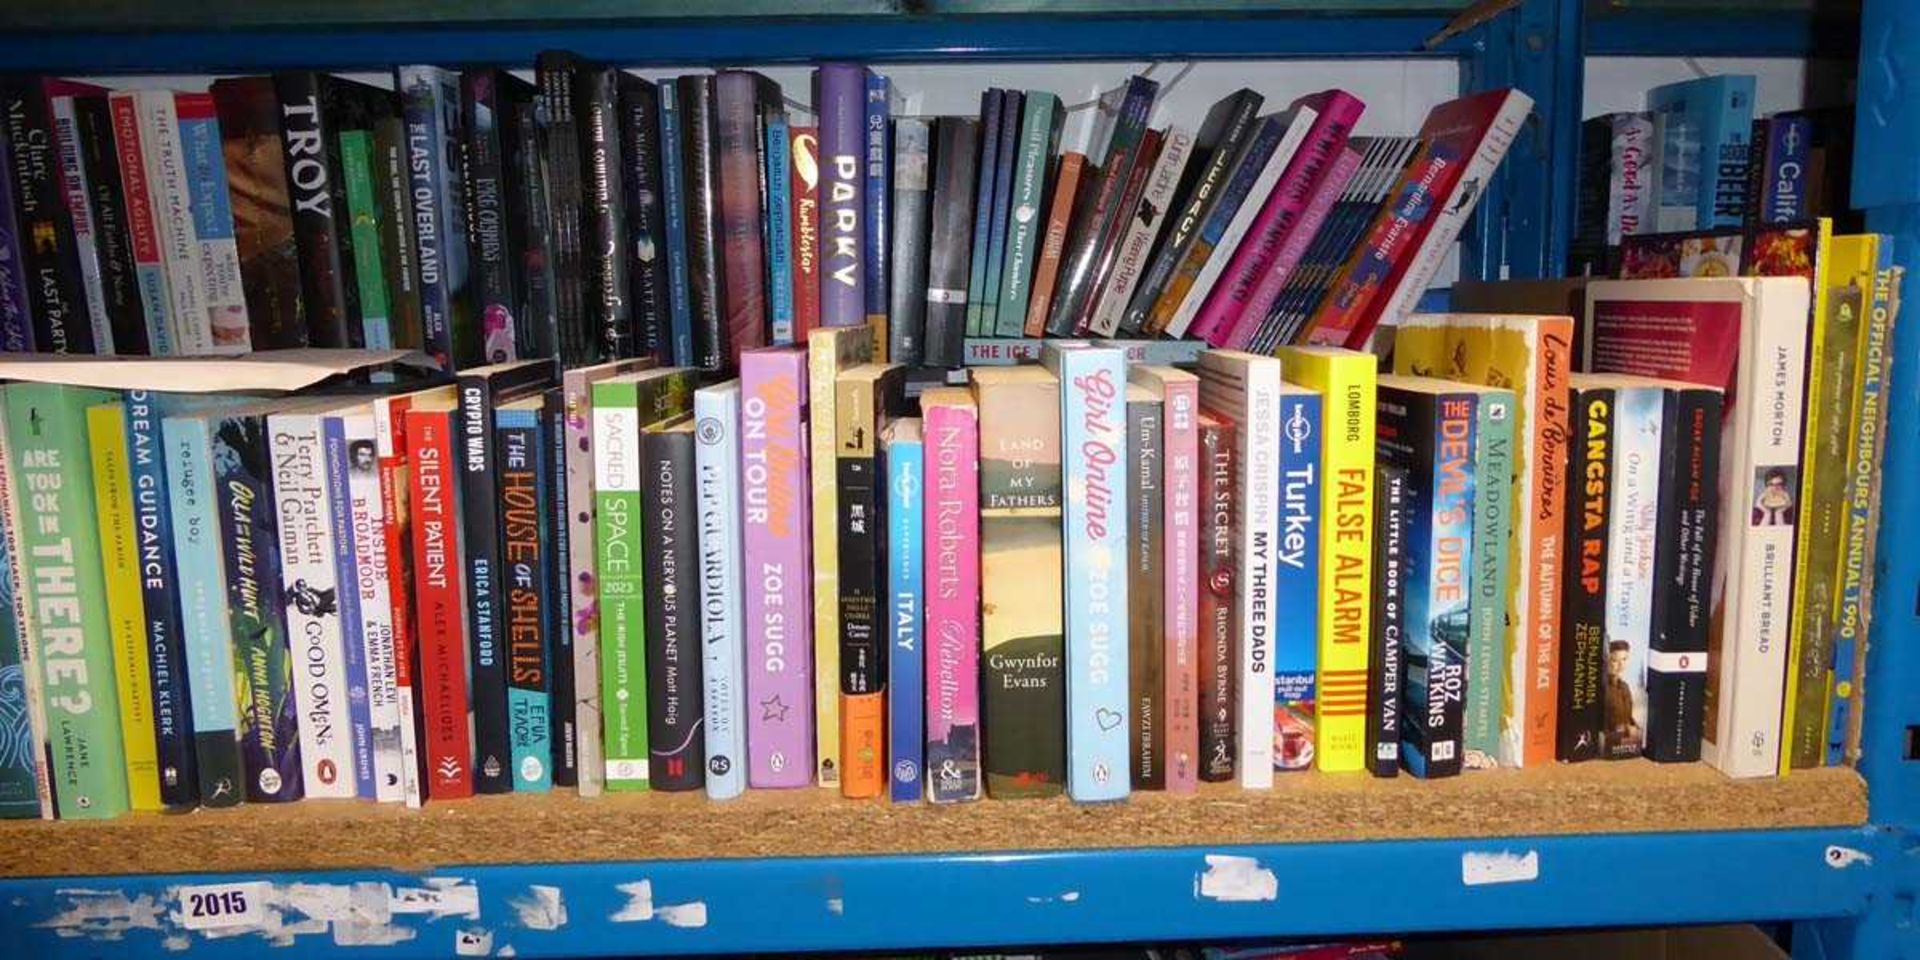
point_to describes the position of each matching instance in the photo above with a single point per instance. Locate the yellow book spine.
(126, 609)
(1808, 603)
(1347, 382)
(829, 351)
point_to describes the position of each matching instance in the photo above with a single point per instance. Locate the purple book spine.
(840, 95)
(778, 587)
(16, 329)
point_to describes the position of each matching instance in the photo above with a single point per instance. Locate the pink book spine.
(952, 588)
(1182, 674)
(778, 585)
(1275, 281)
(1336, 113)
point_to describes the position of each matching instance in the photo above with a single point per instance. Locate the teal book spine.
(526, 547)
(193, 503)
(1039, 135)
(21, 764)
(1487, 597)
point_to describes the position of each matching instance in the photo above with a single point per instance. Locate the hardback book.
(1259, 326)
(829, 351)
(125, 607)
(1144, 219)
(951, 577)
(1124, 114)
(582, 564)
(723, 641)
(863, 395)
(1533, 356)
(25, 788)
(876, 138)
(673, 208)
(1386, 664)
(705, 233)
(776, 162)
(1748, 337)
(676, 717)
(1683, 575)
(430, 103)
(489, 99)
(194, 533)
(987, 300)
(1583, 626)
(263, 650)
(1703, 150)
(1103, 740)
(365, 222)
(440, 621)
(623, 406)
(56, 293)
(1246, 389)
(1298, 568)
(804, 180)
(559, 122)
(1069, 179)
(1346, 381)
(249, 113)
(310, 585)
(912, 219)
(1225, 131)
(839, 96)
(393, 199)
(147, 126)
(338, 519)
(1427, 427)
(949, 246)
(648, 290)
(393, 452)
(603, 231)
(744, 103)
(160, 589)
(526, 587)
(1216, 614)
(1021, 593)
(1486, 695)
(314, 108)
(47, 451)
(1619, 186)
(1041, 120)
(367, 572)
(1146, 616)
(1276, 217)
(903, 453)
(1182, 483)
(16, 326)
(1145, 157)
(993, 104)
(777, 613)
(97, 156)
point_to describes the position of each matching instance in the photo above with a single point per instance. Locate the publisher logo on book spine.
(708, 431)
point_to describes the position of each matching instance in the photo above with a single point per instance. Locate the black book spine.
(955, 156)
(1587, 253)
(1146, 596)
(55, 295)
(159, 586)
(480, 530)
(324, 285)
(1232, 122)
(526, 557)
(1583, 611)
(481, 106)
(530, 226)
(907, 300)
(93, 123)
(1385, 659)
(566, 730)
(705, 243)
(399, 265)
(1683, 578)
(646, 217)
(609, 317)
(560, 145)
(675, 698)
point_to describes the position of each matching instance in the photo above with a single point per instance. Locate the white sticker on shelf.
(543, 908)
(216, 906)
(1482, 867)
(1840, 858)
(1235, 880)
(476, 942)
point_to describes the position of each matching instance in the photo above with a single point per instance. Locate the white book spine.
(716, 412)
(368, 513)
(1438, 243)
(1632, 539)
(1242, 222)
(1143, 227)
(1755, 569)
(386, 413)
(173, 220)
(310, 583)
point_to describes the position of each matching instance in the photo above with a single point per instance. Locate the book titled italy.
(1094, 463)
(952, 575)
(903, 458)
(778, 598)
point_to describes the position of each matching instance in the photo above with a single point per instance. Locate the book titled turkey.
(1216, 614)
(642, 151)
(526, 587)
(489, 100)
(903, 453)
(446, 712)
(1179, 587)
(603, 214)
(676, 718)
(863, 395)
(948, 250)
(952, 586)
(744, 102)
(777, 608)
(1386, 666)
(1296, 583)
(249, 113)
(55, 291)
(839, 96)
(723, 642)
(430, 104)
(706, 223)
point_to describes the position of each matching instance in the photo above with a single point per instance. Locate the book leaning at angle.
(1747, 336)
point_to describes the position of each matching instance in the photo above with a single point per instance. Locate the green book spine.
(623, 599)
(21, 744)
(1487, 601)
(53, 479)
(356, 155)
(1039, 135)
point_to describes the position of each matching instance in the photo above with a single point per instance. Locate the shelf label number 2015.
(216, 905)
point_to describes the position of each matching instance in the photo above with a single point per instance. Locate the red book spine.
(391, 445)
(442, 611)
(806, 230)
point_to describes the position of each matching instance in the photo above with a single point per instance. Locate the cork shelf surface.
(1623, 797)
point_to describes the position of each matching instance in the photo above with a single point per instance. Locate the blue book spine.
(878, 141)
(16, 328)
(212, 213)
(717, 506)
(906, 683)
(673, 189)
(1296, 583)
(526, 556)
(1783, 184)
(353, 634)
(990, 110)
(1093, 450)
(1704, 156)
(1002, 214)
(195, 520)
(428, 96)
(779, 214)
(159, 587)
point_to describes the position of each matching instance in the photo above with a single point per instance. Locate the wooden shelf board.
(1591, 798)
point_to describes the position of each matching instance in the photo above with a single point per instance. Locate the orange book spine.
(1046, 272)
(1546, 518)
(863, 754)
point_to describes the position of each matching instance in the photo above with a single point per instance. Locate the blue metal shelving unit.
(1850, 891)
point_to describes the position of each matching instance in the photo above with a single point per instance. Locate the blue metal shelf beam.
(1723, 34)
